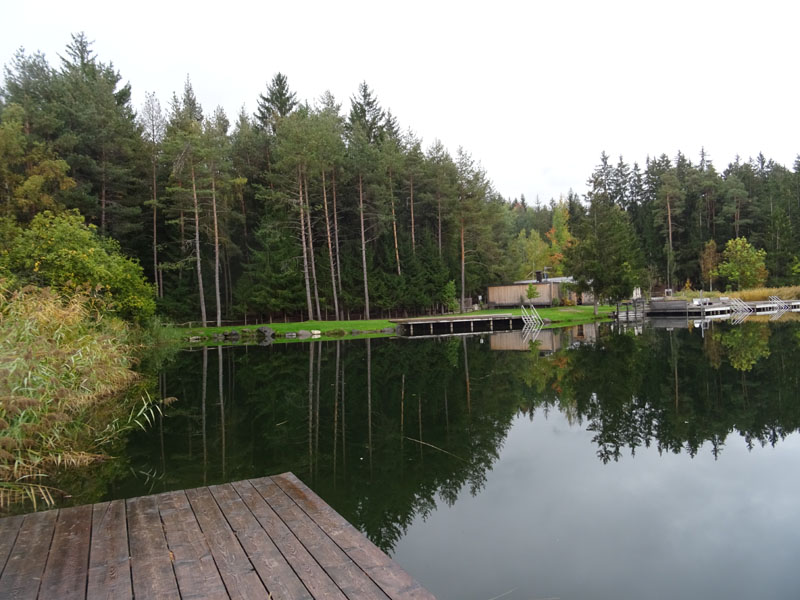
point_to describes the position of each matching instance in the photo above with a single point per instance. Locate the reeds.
(756, 294)
(61, 369)
(752, 295)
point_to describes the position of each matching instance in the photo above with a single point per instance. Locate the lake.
(591, 463)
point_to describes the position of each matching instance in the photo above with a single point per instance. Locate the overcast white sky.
(534, 90)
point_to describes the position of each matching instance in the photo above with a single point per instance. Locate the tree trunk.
(394, 224)
(336, 234)
(216, 248)
(363, 245)
(463, 270)
(669, 257)
(244, 223)
(330, 246)
(413, 235)
(311, 253)
(159, 291)
(197, 251)
(439, 220)
(303, 241)
(103, 194)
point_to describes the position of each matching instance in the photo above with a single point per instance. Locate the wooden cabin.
(516, 294)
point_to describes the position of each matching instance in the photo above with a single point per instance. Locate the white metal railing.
(532, 324)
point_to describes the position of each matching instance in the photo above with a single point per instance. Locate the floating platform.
(462, 324)
(714, 308)
(262, 538)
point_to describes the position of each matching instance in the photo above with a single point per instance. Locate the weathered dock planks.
(263, 538)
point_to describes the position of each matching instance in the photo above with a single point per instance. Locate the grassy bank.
(557, 317)
(62, 370)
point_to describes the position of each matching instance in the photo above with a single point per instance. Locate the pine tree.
(279, 103)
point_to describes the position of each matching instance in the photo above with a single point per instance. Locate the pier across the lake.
(713, 308)
(262, 538)
(462, 324)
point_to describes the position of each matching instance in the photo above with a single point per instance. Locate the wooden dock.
(460, 325)
(267, 538)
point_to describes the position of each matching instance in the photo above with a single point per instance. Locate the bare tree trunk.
(244, 223)
(182, 220)
(336, 234)
(669, 257)
(463, 269)
(303, 240)
(413, 228)
(197, 251)
(216, 248)
(363, 245)
(330, 246)
(394, 223)
(103, 194)
(311, 253)
(159, 290)
(439, 219)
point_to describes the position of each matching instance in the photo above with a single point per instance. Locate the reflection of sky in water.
(554, 522)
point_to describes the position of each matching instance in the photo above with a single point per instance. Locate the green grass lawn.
(558, 317)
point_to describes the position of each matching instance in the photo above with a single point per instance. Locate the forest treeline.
(312, 210)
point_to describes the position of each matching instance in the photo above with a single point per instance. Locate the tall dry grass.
(751, 295)
(61, 367)
(756, 294)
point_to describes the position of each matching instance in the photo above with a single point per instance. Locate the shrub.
(61, 251)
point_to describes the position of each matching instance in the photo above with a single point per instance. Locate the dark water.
(599, 465)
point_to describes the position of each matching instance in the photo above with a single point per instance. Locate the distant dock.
(268, 538)
(462, 324)
(714, 308)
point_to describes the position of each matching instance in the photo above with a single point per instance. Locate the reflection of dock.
(548, 341)
(463, 324)
(263, 538)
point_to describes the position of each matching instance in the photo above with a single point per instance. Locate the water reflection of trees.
(678, 390)
(383, 429)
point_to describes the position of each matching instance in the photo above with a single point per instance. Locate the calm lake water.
(595, 464)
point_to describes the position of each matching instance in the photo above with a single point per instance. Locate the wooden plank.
(9, 528)
(68, 562)
(386, 573)
(194, 566)
(308, 570)
(151, 564)
(238, 573)
(270, 564)
(23, 572)
(347, 575)
(109, 559)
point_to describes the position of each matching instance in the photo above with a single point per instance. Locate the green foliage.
(532, 292)
(62, 252)
(742, 265)
(605, 259)
(448, 297)
(745, 345)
